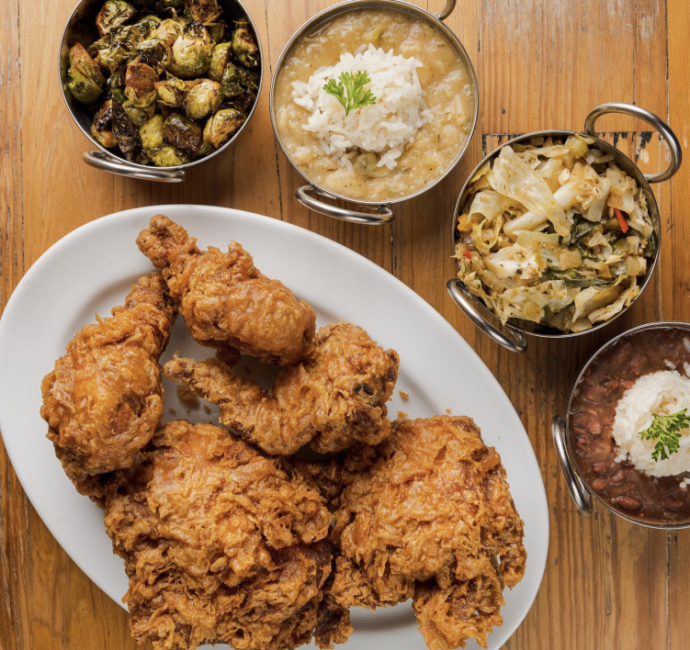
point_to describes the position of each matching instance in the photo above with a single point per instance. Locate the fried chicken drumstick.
(331, 400)
(428, 515)
(225, 300)
(104, 399)
(222, 544)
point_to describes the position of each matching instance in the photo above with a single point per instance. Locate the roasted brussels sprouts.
(139, 114)
(168, 31)
(126, 132)
(171, 92)
(84, 78)
(167, 156)
(216, 31)
(219, 59)
(120, 48)
(148, 26)
(203, 11)
(202, 99)
(140, 84)
(183, 134)
(230, 83)
(154, 53)
(177, 80)
(151, 132)
(113, 14)
(190, 56)
(101, 128)
(222, 125)
(243, 45)
(249, 78)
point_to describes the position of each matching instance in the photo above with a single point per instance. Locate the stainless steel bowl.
(374, 212)
(560, 430)
(81, 26)
(512, 336)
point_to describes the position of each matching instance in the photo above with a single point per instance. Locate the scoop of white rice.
(384, 127)
(661, 393)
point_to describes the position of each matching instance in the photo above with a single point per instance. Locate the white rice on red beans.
(662, 393)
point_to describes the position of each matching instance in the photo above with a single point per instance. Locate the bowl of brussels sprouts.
(159, 86)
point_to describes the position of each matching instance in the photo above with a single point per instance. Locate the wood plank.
(675, 278)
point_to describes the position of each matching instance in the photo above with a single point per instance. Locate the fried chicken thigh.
(104, 399)
(331, 400)
(428, 515)
(222, 544)
(225, 300)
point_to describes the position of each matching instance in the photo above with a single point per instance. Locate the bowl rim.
(138, 166)
(657, 325)
(355, 5)
(642, 183)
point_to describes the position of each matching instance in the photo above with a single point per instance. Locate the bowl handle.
(652, 120)
(447, 10)
(99, 160)
(578, 490)
(380, 213)
(512, 339)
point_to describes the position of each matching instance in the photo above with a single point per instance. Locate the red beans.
(628, 503)
(653, 500)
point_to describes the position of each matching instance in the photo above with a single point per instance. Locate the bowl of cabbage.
(557, 233)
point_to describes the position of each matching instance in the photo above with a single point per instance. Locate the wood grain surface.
(608, 584)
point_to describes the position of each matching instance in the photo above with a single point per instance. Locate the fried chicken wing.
(428, 515)
(222, 544)
(104, 399)
(225, 300)
(331, 400)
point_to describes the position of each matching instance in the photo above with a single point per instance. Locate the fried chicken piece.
(222, 544)
(225, 300)
(104, 399)
(428, 515)
(331, 400)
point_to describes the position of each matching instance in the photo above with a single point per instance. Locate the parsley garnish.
(665, 429)
(349, 91)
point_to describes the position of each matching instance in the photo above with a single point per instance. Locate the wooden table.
(540, 65)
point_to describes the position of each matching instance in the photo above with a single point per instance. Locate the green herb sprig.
(665, 429)
(349, 91)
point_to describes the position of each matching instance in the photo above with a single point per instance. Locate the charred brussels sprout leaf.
(126, 132)
(243, 45)
(101, 128)
(190, 56)
(219, 59)
(151, 132)
(222, 125)
(202, 99)
(113, 14)
(204, 11)
(183, 134)
(243, 102)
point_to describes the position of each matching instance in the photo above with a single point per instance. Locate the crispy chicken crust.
(222, 544)
(428, 515)
(225, 300)
(333, 399)
(104, 399)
